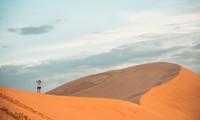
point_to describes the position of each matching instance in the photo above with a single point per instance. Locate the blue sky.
(59, 41)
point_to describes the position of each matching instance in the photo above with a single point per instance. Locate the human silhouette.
(39, 82)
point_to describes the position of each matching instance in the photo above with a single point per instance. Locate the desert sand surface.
(22, 105)
(178, 99)
(126, 84)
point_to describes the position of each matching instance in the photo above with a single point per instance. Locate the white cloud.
(155, 22)
(133, 25)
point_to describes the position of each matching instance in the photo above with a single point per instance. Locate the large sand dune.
(126, 84)
(21, 105)
(178, 99)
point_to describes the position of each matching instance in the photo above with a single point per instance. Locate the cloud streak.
(32, 30)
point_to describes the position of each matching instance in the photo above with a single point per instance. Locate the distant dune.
(22, 105)
(178, 99)
(126, 84)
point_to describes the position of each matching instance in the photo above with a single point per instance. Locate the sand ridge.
(125, 84)
(179, 99)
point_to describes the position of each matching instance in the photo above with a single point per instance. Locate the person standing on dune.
(39, 82)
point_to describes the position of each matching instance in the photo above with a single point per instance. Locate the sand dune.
(126, 84)
(178, 99)
(21, 105)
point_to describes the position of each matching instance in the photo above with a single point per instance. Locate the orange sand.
(178, 99)
(41, 107)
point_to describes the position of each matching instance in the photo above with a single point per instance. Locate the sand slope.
(22, 105)
(178, 99)
(126, 84)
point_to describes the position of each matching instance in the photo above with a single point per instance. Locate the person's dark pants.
(38, 89)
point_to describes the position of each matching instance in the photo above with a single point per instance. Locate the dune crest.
(179, 99)
(126, 84)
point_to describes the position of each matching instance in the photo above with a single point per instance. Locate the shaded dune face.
(22, 105)
(126, 84)
(178, 99)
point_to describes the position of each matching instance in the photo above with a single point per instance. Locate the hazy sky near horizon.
(60, 40)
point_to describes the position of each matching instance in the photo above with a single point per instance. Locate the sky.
(58, 41)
